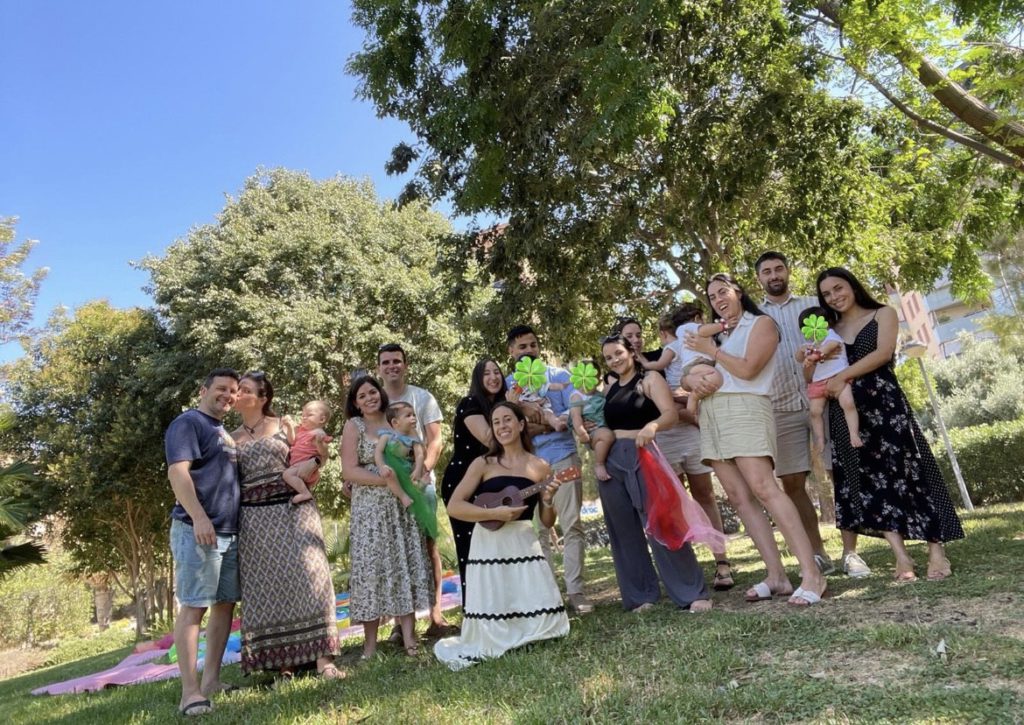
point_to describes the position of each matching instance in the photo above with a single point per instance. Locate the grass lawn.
(865, 655)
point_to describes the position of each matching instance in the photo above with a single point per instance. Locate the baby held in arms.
(825, 355)
(676, 360)
(308, 443)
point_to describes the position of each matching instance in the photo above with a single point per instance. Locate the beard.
(777, 287)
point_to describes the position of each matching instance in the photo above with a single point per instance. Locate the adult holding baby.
(738, 437)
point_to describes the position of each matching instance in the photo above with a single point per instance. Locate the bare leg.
(186, 643)
(818, 423)
(396, 490)
(904, 564)
(758, 473)
(795, 486)
(292, 478)
(851, 415)
(218, 627)
(436, 617)
(554, 421)
(370, 638)
(602, 440)
(755, 523)
(408, 624)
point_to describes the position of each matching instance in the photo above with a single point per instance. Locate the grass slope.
(865, 655)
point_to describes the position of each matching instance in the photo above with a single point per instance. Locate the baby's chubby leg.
(817, 423)
(293, 477)
(849, 407)
(601, 440)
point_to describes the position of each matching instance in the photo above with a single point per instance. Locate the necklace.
(252, 431)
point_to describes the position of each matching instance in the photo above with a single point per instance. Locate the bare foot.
(601, 473)
(939, 569)
(301, 498)
(700, 605)
(905, 573)
(855, 441)
(406, 502)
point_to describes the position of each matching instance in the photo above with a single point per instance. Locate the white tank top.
(736, 344)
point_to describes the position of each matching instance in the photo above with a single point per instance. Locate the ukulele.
(512, 496)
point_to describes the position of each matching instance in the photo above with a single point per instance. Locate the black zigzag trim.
(513, 560)
(514, 615)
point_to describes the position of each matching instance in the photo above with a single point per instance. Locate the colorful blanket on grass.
(150, 660)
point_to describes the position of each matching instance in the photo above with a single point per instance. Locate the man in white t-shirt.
(392, 368)
(791, 408)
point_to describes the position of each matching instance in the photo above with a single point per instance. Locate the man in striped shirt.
(790, 405)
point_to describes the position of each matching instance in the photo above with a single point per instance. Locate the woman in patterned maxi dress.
(288, 617)
(891, 487)
(390, 575)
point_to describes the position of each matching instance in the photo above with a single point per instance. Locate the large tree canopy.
(305, 279)
(635, 147)
(18, 290)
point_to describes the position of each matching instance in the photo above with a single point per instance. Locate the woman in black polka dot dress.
(471, 437)
(891, 486)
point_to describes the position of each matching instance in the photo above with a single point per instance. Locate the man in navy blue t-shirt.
(201, 465)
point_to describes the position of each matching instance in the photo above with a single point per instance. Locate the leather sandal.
(723, 582)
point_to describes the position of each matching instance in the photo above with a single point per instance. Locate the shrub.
(990, 458)
(43, 603)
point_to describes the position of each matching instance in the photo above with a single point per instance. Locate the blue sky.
(125, 123)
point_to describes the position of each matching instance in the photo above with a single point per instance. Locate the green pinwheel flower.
(815, 328)
(583, 377)
(530, 374)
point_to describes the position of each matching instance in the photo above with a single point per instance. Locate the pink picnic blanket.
(140, 667)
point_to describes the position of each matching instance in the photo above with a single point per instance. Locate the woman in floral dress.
(390, 575)
(891, 487)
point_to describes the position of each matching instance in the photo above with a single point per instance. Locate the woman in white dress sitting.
(511, 595)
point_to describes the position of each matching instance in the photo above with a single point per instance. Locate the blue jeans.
(204, 575)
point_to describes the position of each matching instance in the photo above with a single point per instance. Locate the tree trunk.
(103, 601)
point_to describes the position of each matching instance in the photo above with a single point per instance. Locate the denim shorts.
(204, 575)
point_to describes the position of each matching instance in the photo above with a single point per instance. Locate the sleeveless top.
(736, 344)
(497, 483)
(627, 408)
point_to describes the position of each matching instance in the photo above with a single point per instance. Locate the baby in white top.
(827, 359)
(677, 361)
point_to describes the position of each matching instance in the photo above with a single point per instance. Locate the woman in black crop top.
(511, 595)
(638, 406)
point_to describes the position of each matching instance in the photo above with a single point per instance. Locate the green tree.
(633, 149)
(93, 397)
(17, 290)
(980, 385)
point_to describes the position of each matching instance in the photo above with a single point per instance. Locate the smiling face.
(635, 334)
(618, 358)
(391, 368)
(773, 276)
(249, 398)
(506, 426)
(724, 300)
(219, 398)
(837, 293)
(367, 399)
(492, 378)
(527, 344)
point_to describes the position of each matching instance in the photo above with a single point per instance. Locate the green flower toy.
(583, 377)
(815, 328)
(530, 374)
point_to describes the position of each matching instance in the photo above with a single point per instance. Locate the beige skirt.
(736, 425)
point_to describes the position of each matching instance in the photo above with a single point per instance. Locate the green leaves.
(530, 374)
(583, 377)
(815, 328)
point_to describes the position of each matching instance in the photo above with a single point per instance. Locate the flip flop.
(199, 707)
(808, 597)
(905, 577)
(760, 592)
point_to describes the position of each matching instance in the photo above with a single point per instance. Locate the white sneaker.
(855, 567)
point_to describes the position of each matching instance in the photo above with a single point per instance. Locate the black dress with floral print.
(893, 482)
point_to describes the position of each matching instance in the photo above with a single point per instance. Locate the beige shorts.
(793, 442)
(736, 425)
(681, 448)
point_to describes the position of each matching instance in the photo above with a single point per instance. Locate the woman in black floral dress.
(892, 486)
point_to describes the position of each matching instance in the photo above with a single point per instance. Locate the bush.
(43, 603)
(990, 458)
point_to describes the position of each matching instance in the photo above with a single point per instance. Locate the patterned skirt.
(511, 597)
(288, 612)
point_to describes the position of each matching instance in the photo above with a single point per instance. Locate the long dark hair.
(264, 389)
(478, 392)
(746, 302)
(351, 409)
(860, 295)
(617, 338)
(497, 450)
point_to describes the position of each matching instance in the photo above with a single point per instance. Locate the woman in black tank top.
(636, 407)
